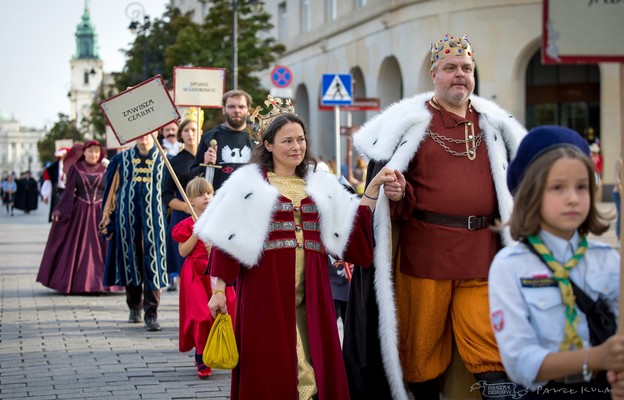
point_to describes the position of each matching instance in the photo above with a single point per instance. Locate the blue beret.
(538, 141)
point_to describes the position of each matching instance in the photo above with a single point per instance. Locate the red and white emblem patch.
(498, 321)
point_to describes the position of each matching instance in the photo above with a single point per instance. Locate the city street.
(55, 346)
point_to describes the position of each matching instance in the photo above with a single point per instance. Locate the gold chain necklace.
(471, 141)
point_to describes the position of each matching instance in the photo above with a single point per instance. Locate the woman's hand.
(217, 303)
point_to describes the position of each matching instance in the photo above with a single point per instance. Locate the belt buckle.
(472, 220)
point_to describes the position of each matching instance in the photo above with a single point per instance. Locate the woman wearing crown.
(272, 225)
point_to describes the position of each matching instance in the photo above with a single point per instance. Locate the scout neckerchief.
(561, 275)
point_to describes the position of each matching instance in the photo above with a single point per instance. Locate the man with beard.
(234, 144)
(453, 149)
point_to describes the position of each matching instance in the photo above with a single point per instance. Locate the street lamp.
(254, 3)
(136, 12)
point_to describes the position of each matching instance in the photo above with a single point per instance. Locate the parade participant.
(26, 193)
(170, 139)
(9, 187)
(234, 144)
(195, 286)
(73, 259)
(272, 225)
(542, 332)
(172, 198)
(133, 218)
(54, 181)
(453, 148)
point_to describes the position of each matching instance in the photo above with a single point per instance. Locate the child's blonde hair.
(198, 186)
(525, 219)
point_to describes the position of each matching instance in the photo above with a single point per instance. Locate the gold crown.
(277, 107)
(451, 46)
(191, 113)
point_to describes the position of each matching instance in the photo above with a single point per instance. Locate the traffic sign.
(281, 76)
(358, 104)
(337, 90)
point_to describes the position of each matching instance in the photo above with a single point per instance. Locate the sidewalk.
(54, 346)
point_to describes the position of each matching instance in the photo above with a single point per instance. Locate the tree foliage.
(146, 56)
(64, 128)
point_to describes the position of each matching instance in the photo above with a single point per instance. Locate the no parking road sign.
(281, 76)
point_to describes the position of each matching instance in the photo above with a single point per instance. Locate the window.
(361, 3)
(305, 15)
(86, 78)
(332, 12)
(282, 13)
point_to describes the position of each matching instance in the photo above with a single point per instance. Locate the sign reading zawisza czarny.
(139, 110)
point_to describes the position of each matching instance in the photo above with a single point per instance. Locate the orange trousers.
(430, 313)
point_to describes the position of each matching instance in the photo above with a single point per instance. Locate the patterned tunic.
(133, 203)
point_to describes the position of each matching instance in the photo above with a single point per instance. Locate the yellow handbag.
(220, 351)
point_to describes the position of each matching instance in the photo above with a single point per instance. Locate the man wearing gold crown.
(233, 144)
(453, 148)
(133, 218)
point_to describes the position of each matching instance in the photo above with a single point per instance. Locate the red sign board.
(582, 31)
(359, 104)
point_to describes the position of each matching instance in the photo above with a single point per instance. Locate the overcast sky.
(37, 42)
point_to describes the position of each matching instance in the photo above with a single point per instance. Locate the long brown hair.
(525, 218)
(261, 156)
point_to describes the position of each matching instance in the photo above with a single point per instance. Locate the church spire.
(86, 39)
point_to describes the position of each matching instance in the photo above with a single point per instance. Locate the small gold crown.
(191, 113)
(451, 46)
(277, 107)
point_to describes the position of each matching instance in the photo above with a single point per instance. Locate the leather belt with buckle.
(472, 222)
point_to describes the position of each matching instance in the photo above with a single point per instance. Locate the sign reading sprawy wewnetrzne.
(139, 110)
(198, 87)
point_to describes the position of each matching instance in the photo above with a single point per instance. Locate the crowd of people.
(464, 248)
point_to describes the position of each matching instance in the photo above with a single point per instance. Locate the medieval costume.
(134, 216)
(73, 260)
(26, 194)
(195, 291)
(271, 235)
(379, 328)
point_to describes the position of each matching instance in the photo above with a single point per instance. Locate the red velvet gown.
(195, 291)
(73, 260)
(265, 324)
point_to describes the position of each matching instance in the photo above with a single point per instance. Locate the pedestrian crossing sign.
(337, 90)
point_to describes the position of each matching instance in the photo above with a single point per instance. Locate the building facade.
(385, 45)
(18, 147)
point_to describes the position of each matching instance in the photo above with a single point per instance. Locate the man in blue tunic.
(133, 218)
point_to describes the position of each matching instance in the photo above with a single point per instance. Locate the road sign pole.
(337, 133)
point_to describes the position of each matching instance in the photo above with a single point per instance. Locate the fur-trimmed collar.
(238, 218)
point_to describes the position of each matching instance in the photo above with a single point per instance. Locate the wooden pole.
(174, 176)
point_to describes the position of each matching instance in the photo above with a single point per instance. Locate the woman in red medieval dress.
(272, 225)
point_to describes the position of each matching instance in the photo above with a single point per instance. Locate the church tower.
(86, 69)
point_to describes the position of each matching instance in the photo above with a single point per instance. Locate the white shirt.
(528, 318)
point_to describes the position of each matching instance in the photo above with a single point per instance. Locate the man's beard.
(235, 124)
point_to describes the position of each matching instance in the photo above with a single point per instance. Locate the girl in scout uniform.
(543, 337)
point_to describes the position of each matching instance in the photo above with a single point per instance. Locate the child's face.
(566, 199)
(200, 203)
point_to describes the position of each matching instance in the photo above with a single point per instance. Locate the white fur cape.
(237, 219)
(393, 137)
